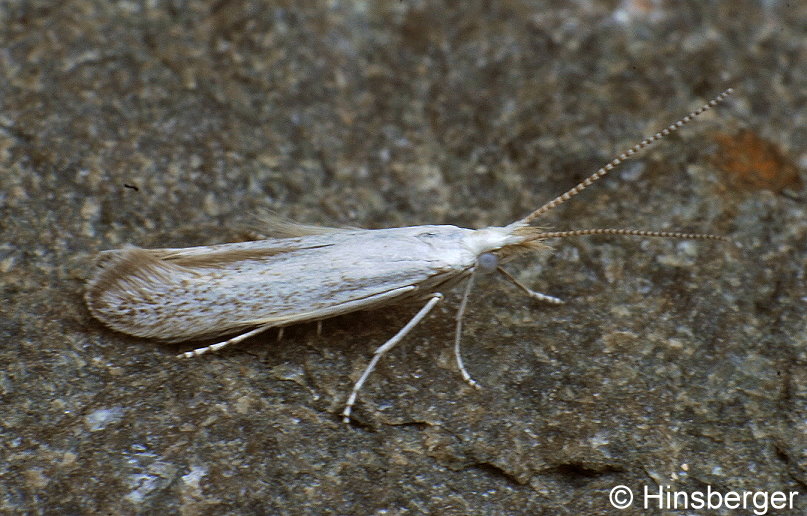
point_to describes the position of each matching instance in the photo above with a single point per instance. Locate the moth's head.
(497, 245)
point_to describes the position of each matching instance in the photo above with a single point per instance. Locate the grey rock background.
(673, 363)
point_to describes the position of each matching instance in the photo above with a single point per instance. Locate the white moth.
(314, 273)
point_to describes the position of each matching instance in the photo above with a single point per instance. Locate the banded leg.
(378, 353)
(533, 294)
(215, 347)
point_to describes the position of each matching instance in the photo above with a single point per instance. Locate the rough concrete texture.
(168, 123)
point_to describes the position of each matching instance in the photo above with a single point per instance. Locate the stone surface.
(162, 124)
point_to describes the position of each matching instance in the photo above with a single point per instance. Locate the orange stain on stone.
(753, 163)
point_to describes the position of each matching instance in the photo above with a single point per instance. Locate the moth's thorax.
(492, 239)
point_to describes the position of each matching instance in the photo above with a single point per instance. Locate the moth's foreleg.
(533, 294)
(458, 334)
(433, 300)
(215, 347)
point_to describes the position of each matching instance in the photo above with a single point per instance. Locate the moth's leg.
(215, 347)
(533, 294)
(458, 335)
(319, 328)
(280, 334)
(378, 353)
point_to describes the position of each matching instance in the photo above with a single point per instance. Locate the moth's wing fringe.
(128, 273)
(122, 270)
(126, 264)
(191, 257)
(269, 223)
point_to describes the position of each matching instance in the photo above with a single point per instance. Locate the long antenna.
(557, 201)
(630, 232)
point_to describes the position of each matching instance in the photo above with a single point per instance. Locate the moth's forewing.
(183, 294)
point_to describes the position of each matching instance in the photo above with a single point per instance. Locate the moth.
(314, 273)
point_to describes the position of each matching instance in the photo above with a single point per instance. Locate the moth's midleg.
(215, 347)
(530, 292)
(378, 353)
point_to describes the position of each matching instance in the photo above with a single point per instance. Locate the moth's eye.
(487, 262)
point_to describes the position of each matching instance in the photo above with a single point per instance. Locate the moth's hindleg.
(531, 293)
(215, 347)
(433, 300)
